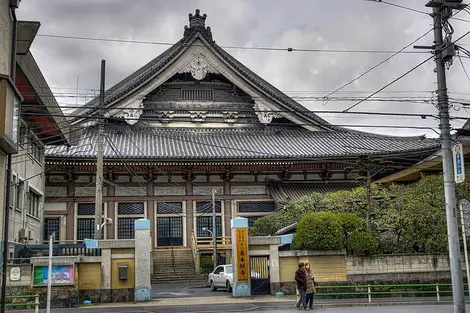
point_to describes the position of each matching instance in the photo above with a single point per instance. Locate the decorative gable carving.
(264, 112)
(198, 66)
(132, 113)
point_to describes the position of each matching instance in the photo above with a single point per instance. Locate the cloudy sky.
(301, 24)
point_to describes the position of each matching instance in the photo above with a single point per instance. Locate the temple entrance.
(169, 231)
(260, 283)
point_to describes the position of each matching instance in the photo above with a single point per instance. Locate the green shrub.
(350, 222)
(361, 242)
(319, 231)
(206, 263)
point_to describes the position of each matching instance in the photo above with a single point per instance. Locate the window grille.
(51, 225)
(34, 201)
(206, 207)
(256, 206)
(85, 228)
(86, 209)
(197, 94)
(169, 207)
(206, 221)
(130, 208)
(126, 227)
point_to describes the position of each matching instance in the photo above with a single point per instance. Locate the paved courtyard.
(184, 290)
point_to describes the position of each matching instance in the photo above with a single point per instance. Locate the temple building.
(194, 122)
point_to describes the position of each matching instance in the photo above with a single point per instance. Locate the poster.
(242, 254)
(61, 275)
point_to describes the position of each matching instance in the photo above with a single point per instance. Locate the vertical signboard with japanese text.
(243, 263)
(459, 167)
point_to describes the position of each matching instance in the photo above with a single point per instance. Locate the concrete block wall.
(381, 264)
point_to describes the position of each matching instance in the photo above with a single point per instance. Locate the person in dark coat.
(301, 280)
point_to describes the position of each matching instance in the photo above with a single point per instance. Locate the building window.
(126, 227)
(23, 135)
(34, 202)
(169, 207)
(35, 149)
(256, 206)
(128, 213)
(86, 209)
(252, 210)
(131, 208)
(197, 94)
(19, 195)
(206, 221)
(204, 212)
(51, 226)
(85, 220)
(206, 206)
(13, 192)
(85, 228)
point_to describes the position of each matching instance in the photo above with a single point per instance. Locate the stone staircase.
(174, 265)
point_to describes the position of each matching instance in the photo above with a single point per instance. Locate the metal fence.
(28, 302)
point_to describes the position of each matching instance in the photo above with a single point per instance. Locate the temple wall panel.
(131, 191)
(248, 190)
(56, 191)
(170, 191)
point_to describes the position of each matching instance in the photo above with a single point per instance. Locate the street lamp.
(215, 244)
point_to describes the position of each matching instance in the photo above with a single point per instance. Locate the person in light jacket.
(310, 287)
(301, 280)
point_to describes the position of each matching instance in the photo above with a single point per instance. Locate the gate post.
(143, 245)
(241, 258)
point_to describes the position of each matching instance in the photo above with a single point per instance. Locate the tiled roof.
(227, 144)
(285, 192)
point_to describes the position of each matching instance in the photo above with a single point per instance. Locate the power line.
(378, 64)
(289, 49)
(389, 84)
(409, 71)
(413, 10)
(420, 115)
(464, 69)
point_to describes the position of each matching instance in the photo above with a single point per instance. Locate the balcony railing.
(207, 243)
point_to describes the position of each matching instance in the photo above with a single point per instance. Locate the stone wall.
(402, 268)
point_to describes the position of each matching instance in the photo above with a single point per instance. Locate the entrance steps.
(174, 265)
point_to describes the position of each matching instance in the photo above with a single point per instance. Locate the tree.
(288, 215)
(359, 242)
(319, 231)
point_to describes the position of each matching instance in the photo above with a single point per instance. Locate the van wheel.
(213, 288)
(227, 285)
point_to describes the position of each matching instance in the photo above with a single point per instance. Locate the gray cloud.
(321, 24)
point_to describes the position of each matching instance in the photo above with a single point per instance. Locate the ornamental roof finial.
(197, 22)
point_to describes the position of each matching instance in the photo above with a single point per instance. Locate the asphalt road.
(183, 290)
(390, 309)
(251, 308)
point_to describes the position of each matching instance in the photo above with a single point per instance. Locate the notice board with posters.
(61, 275)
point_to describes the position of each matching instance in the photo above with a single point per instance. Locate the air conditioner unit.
(30, 235)
(22, 234)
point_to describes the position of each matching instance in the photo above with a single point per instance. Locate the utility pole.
(214, 227)
(99, 157)
(444, 51)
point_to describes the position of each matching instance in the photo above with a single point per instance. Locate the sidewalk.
(230, 304)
